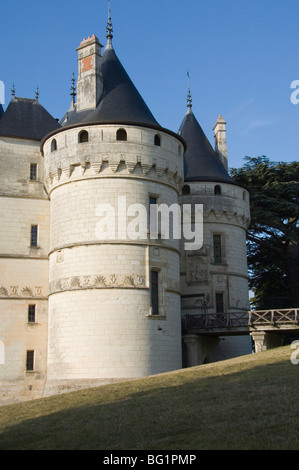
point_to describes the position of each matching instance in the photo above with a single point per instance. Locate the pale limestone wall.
(100, 322)
(23, 269)
(228, 215)
(16, 155)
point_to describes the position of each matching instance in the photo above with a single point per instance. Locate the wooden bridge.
(245, 321)
(267, 327)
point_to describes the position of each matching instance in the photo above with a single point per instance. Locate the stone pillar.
(191, 342)
(264, 340)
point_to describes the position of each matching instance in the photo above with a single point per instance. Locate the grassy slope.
(249, 402)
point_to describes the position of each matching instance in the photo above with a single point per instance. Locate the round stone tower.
(214, 279)
(114, 302)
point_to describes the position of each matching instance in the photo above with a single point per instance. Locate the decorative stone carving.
(15, 291)
(27, 292)
(98, 282)
(197, 270)
(3, 291)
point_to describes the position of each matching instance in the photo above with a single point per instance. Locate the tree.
(273, 237)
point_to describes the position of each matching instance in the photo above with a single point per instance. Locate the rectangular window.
(155, 292)
(217, 248)
(219, 303)
(31, 313)
(33, 172)
(33, 236)
(30, 360)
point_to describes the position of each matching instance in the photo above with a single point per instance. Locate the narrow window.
(33, 235)
(217, 190)
(155, 292)
(33, 172)
(217, 248)
(219, 303)
(30, 360)
(153, 200)
(186, 190)
(31, 313)
(157, 140)
(121, 134)
(83, 137)
(153, 217)
(53, 145)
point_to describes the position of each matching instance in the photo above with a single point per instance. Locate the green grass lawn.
(250, 402)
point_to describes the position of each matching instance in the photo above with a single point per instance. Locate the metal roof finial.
(13, 90)
(109, 25)
(73, 89)
(189, 99)
(36, 93)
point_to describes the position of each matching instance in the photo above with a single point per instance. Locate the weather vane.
(189, 100)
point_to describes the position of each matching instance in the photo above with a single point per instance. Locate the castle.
(79, 308)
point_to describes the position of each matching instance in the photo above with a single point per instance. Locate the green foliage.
(273, 237)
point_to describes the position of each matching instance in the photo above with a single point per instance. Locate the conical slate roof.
(26, 118)
(201, 163)
(1, 111)
(120, 101)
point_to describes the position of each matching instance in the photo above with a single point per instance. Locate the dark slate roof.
(120, 100)
(201, 162)
(26, 118)
(1, 111)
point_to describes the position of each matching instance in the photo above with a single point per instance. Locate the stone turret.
(114, 301)
(214, 279)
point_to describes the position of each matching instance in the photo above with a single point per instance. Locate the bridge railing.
(215, 320)
(240, 319)
(273, 317)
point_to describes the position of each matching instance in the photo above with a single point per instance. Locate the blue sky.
(242, 58)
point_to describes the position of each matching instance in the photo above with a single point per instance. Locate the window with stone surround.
(83, 137)
(217, 248)
(217, 190)
(155, 292)
(33, 235)
(31, 313)
(30, 360)
(186, 190)
(121, 135)
(157, 140)
(33, 171)
(53, 145)
(219, 302)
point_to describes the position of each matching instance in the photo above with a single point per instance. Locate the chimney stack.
(90, 83)
(220, 141)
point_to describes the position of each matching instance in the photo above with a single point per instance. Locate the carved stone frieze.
(98, 281)
(17, 291)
